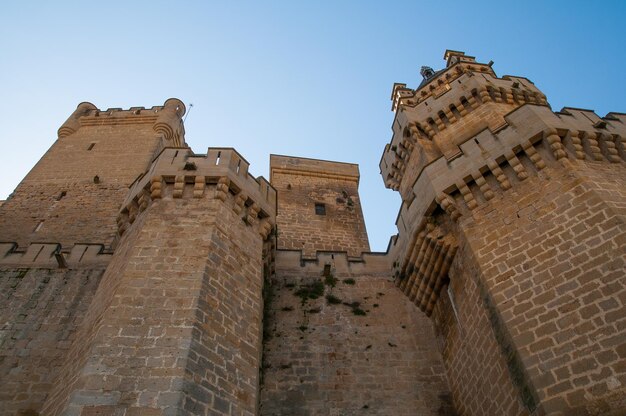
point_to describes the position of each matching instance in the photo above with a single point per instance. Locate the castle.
(141, 278)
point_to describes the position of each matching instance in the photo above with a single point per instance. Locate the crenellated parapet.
(221, 174)
(491, 163)
(166, 120)
(292, 262)
(447, 109)
(53, 256)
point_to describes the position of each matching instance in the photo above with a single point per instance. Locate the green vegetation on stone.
(333, 300)
(310, 291)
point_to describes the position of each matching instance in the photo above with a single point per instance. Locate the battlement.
(292, 261)
(452, 57)
(180, 173)
(579, 131)
(217, 163)
(433, 120)
(166, 119)
(53, 256)
(437, 85)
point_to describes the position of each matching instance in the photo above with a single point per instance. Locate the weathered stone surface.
(534, 304)
(359, 348)
(302, 183)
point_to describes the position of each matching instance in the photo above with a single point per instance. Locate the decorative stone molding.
(169, 121)
(166, 120)
(72, 124)
(426, 266)
(222, 169)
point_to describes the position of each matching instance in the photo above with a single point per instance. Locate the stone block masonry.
(175, 327)
(530, 313)
(73, 193)
(319, 206)
(358, 347)
(41, 312)
(556, 275)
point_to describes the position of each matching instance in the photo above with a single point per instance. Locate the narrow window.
(320, 209)
(91, 146)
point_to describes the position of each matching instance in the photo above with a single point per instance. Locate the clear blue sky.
(303, 79)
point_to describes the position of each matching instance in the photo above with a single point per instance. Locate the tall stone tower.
(512, 239)
(57, 235)
(85, 175)
(133, 270)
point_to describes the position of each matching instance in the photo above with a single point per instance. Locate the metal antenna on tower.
(190, 105)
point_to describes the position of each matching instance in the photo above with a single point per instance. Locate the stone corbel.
(156, 187)
(253, 212)
(554, 141)
(240, 200)
(265, 228)
(448, 205)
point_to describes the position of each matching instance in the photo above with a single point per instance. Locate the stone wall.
(367, 351)
(73, 194)
(175, 327)
(485, 372)
(302, 183)
(40, 313)
(552, 256)
(535, 320)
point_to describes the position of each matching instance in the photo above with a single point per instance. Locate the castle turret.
(449, 107)
(511, 238)
(74, 192)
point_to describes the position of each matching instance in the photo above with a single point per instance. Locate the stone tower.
(133, 273)
(319, 206)
(512, 239)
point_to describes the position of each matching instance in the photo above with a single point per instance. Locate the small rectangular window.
(320, 209)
